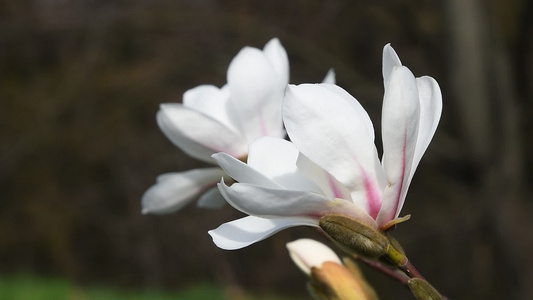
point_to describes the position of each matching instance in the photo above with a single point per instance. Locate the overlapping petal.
(430, 98)
(174, 190)
(211, 101)
(211, 199)
(277, 56)
(277, 159)
(242, 172)
(325, 125)
(248, 230)
(193, 131)
(256, 93)
(390, 60)
(265, 202)
(402, 157)
(268, 202)
(400, 119)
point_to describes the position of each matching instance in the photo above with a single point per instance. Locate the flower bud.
(308, 253)
(356, 272)
(422, 290)
(355, 237)
(334, 281)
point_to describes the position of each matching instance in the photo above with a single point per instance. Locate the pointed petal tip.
(390, 60)
(273, 41)
(216, 240)
(330, 77)
(166, 106)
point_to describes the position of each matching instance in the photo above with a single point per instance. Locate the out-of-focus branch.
(486, 100)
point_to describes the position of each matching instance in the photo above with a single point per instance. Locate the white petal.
(390, 60)
(246, 231)
(308, 253)
(276, 159)
(430, 110)
(361, 112)
(242, 172)
(256, 94)
(175, 190)
(198, 135)
(330, 77)
(277, 55)
(324, 124)
(211, 199)
(267, 202)
(211, 101)
(401, 116)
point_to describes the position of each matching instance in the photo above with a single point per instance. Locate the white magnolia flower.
(332, 165)
(226, 119)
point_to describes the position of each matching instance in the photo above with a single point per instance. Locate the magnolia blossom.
(226, 119)
(332, 165)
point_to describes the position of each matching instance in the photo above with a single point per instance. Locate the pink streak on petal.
(373, 199)
(314, 216)
(334, 188)
(372, 196)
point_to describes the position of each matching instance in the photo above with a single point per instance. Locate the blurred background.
(81, 81)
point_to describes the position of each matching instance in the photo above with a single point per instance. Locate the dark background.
(81, 81)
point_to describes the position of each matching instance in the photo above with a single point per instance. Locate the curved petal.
(330, 77)
(430, 98)
(308, 253)
(211, 199)
(197, 134)
(400, 120)
(211, 101)
(263, 202)
(276, 159)
(277, 55)
(390, 60)
(242, 172)
(175, 190)
(248, 230)
(256, 94)
(325, 126)
(267, 202)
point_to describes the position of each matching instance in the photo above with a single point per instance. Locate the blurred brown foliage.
(80, 83)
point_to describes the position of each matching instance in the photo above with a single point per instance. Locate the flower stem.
(409, 271)
(392, 273)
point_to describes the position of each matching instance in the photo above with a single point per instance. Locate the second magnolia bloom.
(332, 165)
(227, 119)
